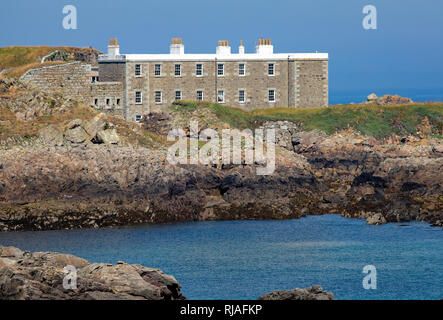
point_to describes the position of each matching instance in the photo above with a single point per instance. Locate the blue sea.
(244, 259)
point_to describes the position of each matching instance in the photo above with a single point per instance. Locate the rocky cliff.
(88, 185)
(40, 276)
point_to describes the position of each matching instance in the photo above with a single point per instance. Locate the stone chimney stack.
(264, 47)
(241, 49)
(177, 46)
(113, 48)
(223, 48)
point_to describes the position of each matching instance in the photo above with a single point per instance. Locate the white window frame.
(244, 96)
(175, 70)
(273, 69)
(138, 116)
(140, 74)
(269, 95)
(175, 95)
(155, 97)
(244, 69)
(196, 70)
(155, 70)
(222, 69)
(222, 95)
(197, 95)
(141, 97)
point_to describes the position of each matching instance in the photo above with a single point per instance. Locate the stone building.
(131, 85)
(264, 79)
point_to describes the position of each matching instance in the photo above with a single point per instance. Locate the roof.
(213, 57)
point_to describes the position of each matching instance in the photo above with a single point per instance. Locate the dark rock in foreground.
(310, 293)
(39, 276)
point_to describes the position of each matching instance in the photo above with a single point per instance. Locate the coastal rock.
(52, 135)
(392, 100)
(76, 135)
(108, 136)
(310, 293)
(39, 276)
(371, 98)
(376, 219)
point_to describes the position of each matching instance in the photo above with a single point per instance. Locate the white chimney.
(113, 48)
(264, 47)
(241, 49)
(177, 46)
(223, 48)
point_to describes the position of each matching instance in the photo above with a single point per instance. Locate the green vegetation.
(20, 59)
(370, 120)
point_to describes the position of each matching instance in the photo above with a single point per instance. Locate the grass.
(370, 120)
(21, 59)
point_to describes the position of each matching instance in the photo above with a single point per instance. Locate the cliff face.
(96, 185)
(40, 276)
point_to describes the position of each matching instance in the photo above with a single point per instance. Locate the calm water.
(244, 259)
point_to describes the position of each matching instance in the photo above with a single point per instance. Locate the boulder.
(74, 124)
(76, 135)
(96, 124)
(376, 219)
(310, 293)
(372, 98)
(108, 136)
(52, 135)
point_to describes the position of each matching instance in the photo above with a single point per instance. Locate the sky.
(405, 52)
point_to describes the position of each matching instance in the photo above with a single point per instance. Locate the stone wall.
(73, 81)
(107, 97)
(311, 83)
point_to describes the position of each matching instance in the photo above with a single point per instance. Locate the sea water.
(245, 259)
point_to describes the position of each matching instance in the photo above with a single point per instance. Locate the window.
(138, 97)
(198, 69)
(241, 96)
(241, 69)
(95, 101)
(138, 118)
(271, 95)
(220, 69)
(138, 70)
(178, 95)
(199, 95)
(270, 69)
(158, 70)
(220, 96)
(118, 102)
(178, 70)
(158, 97)
(108, 102)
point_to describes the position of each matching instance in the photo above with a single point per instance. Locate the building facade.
(263, 79)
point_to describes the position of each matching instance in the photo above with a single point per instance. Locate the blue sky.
(406, 51)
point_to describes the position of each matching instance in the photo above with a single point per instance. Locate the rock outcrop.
(387, 100)
(40, 276)
(310, 293)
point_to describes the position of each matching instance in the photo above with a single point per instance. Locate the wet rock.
(376, 219)
(310, 293)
